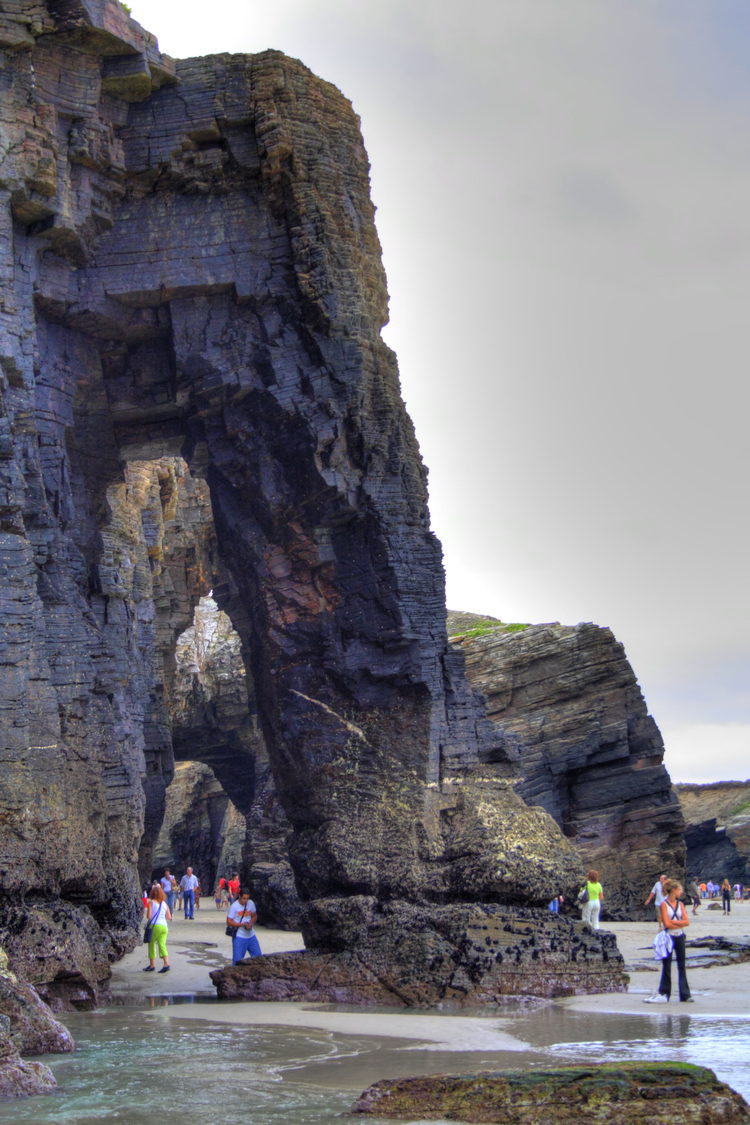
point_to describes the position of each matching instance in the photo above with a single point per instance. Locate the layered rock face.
(717, 830)
(571, 715)
(190, 267)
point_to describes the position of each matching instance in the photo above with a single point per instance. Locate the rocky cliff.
(201, 827)
(190, 269)
(570, 714)
(717, 830)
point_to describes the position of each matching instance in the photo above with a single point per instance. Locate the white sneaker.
(657, 998)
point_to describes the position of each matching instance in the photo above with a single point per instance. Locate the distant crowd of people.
(726, 891)
(168, 894)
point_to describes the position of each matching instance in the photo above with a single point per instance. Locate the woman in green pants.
(157, 916)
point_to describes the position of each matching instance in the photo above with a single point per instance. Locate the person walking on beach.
(157, 915)
(234, 887)
(241, 918)
(726, 897)
(593, 903)
(169, 886)
(675, 921)
(695, 893)
(188, 883)
(656, 895)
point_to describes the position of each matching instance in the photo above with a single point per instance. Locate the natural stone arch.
(195, 270)
(201, 828)
(289, 402)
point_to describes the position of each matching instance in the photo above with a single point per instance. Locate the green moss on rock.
(615, 1093)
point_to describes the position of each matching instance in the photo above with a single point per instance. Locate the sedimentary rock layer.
(190, 267)
(570, 713)
(717, 830)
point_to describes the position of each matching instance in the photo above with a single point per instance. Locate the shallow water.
(133, 1065)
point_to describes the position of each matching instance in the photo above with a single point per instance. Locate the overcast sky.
(563, 194)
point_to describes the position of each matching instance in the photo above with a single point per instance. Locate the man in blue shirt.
(188, 882)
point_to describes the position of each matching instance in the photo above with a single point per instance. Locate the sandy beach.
(196, 947)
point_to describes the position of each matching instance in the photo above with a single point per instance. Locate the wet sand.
(198, 946)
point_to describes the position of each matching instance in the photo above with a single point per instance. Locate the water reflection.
(134, 1065)
(717, 1042)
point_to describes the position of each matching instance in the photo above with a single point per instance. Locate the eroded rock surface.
(717, 830)
(189, 267)
(201, 828)
(18, 1077)
(447, 955)
(570, 714)
(32, 1026)
(27, 1026)
(659, 1093)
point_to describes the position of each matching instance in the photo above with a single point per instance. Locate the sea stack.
(191, 276)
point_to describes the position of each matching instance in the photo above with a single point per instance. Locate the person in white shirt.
(157, 916)
(657, 896)
(188, 883)
(241, 918)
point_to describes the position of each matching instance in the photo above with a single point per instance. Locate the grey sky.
(562, 191)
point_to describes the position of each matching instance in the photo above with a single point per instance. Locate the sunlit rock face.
(190, 267)
(570, 712)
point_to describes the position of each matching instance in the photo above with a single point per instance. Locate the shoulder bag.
(150, 927)
(230, 931)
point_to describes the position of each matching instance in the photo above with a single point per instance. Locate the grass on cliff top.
(468, 626)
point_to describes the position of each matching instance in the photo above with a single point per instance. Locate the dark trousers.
(665, 984)
(726, 901)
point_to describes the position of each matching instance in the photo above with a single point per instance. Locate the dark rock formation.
(26, 1025)
(717, 830)
(570, 714)
(19, 1078)
(709, 951)
(33, 1028)
(659, 1093)
(426, 956)
(190, 267)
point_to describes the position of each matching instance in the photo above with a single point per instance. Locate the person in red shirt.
(234, 887)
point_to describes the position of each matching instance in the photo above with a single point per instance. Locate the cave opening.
(211, 800)
(200, 775)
